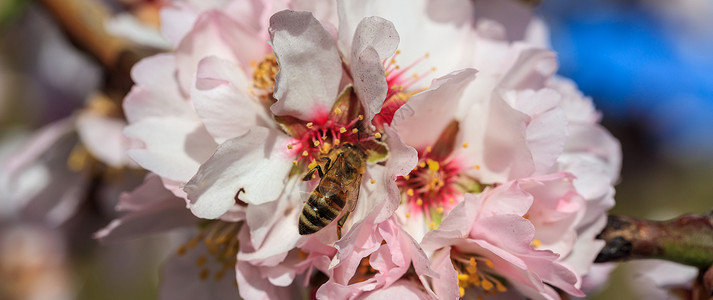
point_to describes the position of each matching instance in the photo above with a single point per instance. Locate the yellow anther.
(433, 69)
(316, 143)
(486, 284)
(472, 262)
(409, 192)
(377, 135)
(361, 117)
(439, 209)
(336, 141)
(342, 130)
(431, 225)
(461, 291)
(201, 261)
(204, 274)
(398, 52)
(305, 153)
(312, 165)
(419, 202)
(501, 288)
(372, 181)
(407, 177)
(289, 146)
(309, 125)
(219, 275)
(422, 164)
(489, 263)
(433, 165)
(355, 130)
(428, 149)
(463, 277)
(472, 270)
(337, 110)
(408, 215)
(477, 167)
(536, 243)
(294, 162)
(465, 145)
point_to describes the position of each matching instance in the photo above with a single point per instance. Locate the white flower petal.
(223, 102)
(257, 163)
(497, 147)
(310, 67)
(104, 138)
(215, 34)
(173, 148)
(375, 39)
(432, 110)
(156, 93)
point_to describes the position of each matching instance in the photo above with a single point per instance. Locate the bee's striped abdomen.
(319, 211)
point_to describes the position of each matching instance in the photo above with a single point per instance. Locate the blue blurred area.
(639, 66)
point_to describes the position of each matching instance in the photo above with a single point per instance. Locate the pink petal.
(104, 138)
(151, 192)
(310, 67)
(254, 286)
(446, 285)
(215, 34)
(257, 163)
(547, 130)
(403, 289)
(156, 93)
(176, 22)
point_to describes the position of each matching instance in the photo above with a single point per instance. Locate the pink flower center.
(431, 187)
(315, 140)
(401, 84)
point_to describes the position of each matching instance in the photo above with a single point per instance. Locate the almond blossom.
(493, 244)
(488, 140)
(210, 137)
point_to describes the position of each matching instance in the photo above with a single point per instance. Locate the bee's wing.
(353, 193)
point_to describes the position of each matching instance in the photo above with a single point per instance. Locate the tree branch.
(84, 21)
(687, 239)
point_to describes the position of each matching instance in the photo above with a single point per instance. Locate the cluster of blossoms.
(485, 173)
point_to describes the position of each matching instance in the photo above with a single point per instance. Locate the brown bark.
(687, 239)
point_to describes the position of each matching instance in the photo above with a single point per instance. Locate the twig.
(83, 22)
(687, 239)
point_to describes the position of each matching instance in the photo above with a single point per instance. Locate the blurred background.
(647, 64)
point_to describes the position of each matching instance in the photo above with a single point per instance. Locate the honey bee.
(340, 179)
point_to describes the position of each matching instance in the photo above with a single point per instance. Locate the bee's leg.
(317, 168)
(340, 224)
